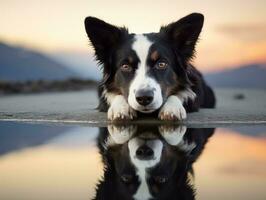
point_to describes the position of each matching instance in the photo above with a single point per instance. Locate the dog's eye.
(161, 65)
(160, 179)
(126, 178)
(126, 68)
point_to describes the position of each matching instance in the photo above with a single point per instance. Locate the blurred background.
(43, 44)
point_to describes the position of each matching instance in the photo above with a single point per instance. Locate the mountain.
(246, 76)
(18, 136)
(20, 64)
(253, 131)
(82, 62)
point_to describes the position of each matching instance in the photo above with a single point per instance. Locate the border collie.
(144, 73)
(149, 162)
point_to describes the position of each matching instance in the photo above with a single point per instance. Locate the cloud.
(244, 32)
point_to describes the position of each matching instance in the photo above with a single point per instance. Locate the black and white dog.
(149, 162)
(144, 73)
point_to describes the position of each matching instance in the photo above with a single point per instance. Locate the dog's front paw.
(173, 134)
(120, 110)
(121, 134)
(173, 109)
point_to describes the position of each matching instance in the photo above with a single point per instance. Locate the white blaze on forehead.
(141, 46)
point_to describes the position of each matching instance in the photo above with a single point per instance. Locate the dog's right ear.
(103, 36)
(184, 33)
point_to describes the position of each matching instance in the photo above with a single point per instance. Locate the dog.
(149, 73)
(149, 162)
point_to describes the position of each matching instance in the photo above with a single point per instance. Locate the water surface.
(47, 161)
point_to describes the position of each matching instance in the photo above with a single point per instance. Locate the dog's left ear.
(103, 36)
(184, 33)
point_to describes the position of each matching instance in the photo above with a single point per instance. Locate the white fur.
(119, 109)
(141, 46)
(156, 145)
(109, 96)
(173, 107)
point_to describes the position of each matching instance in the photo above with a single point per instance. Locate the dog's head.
(145, 68)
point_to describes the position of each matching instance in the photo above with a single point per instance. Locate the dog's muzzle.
(145, 98)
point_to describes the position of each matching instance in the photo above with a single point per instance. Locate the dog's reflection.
(149, 162)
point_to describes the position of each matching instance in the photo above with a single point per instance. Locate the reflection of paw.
(121, 134)
(173, 109)
(173, 135)
(120, 110)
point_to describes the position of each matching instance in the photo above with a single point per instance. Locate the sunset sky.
(234, 32)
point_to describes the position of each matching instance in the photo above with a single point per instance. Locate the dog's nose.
(144, 152)
(144, 97)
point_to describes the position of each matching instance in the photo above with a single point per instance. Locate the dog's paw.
(120, 110)
(173, 134)
(173, 109)
(121, 134)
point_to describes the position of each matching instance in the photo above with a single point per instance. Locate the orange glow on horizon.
(49, 172)
(229, 163)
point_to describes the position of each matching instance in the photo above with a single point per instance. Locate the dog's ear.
(103, 36)
(184, 33)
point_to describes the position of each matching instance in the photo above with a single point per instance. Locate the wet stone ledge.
(234, 107)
